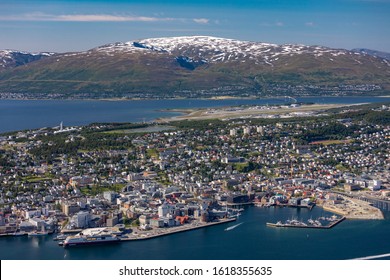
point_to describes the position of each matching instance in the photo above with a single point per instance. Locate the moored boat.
(38, 233)
(60, 237)
(19, 233)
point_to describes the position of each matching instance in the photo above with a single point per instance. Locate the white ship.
(91, 236)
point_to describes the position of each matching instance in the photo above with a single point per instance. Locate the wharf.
(71, 231)
(294, 206)
(166, 231)
(12, 234)
(239, 204)
(353, 208)
(332, 224)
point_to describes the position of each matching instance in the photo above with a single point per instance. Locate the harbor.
(316, 224)
(158, 232)
(94, 236)
(256, 241)
(352, 208)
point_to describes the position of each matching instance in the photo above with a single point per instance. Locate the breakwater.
(143, 235)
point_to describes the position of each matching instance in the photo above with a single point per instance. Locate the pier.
(71, 231)
(293, 205)
(167, 231)
(284, 205)
(149, 234)
(332, 224)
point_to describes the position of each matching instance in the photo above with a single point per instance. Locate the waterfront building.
(305, 202)
(112, 221)
(157, 222)
(70, 208)
(2, 220)
(32, 213)
(170, 222)
(82, 219)
(233, 199)
(163, 210)
(27, 226)
(295, 201)
(8, 228)
(144, 220)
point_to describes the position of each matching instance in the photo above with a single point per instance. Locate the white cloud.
(268, 24)
(82, 18)
(311, 24)
(201, 20)
(103, 18)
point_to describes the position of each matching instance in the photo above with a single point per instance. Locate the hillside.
(10, 59)
(199, 66)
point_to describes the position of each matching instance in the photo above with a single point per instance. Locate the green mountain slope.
(200, 66)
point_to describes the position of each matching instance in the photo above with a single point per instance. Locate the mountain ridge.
(14, 58)
(200, 66)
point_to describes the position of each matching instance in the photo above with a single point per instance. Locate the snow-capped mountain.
(11, 58)
(213, 49)
(194, 65)
(380, 54)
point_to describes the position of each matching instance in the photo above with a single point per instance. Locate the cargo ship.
(91, 236)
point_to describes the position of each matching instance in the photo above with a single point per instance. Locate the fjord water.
(252, 239)
(30, 114)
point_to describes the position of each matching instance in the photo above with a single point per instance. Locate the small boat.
(60, 237)
(19, 233)
(38, 233)
(232, 227)
(235, 215)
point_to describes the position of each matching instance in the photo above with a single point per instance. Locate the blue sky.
(59, 25)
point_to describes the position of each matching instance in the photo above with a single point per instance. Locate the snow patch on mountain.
(12, 58)
(214, 49)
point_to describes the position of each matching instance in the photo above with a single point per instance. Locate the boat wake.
(232, 227)
(373, 257)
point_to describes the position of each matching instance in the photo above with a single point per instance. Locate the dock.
(167, 231)
(259, 204)
(330, 225)
(310, 206)
(71, 231)
(12, 234)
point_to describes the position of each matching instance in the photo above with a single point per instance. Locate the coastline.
(226, 112)
(354, 209)
(221, 97)
(158, 232)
